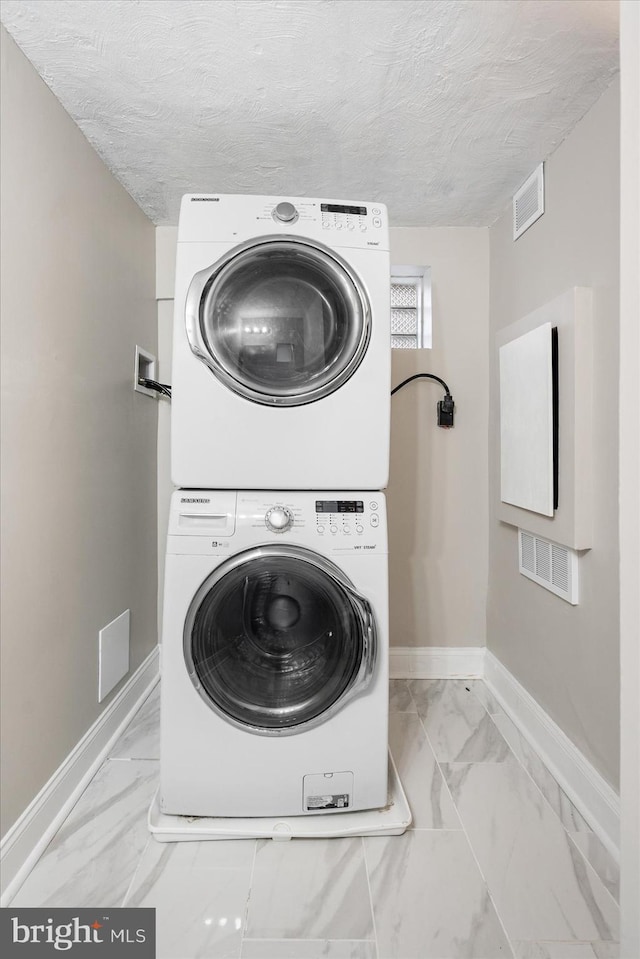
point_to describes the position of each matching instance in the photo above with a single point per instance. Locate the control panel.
(338, 216)
(335, 217)
(329, 518)
(346, 517)
(226, 522)
(235, 219)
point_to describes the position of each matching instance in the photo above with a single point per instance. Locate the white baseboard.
(588, 791)
(27, 839)
(436, 662)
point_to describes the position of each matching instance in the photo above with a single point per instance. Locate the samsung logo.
(205, 199)
(194, 499)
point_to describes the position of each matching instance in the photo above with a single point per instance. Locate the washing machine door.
(279, 321)
(277, 639)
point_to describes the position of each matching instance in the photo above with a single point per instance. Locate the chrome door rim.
(360, 604)
(203, 288)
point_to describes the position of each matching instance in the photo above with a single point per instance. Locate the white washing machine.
(281, 348)
(274, 694)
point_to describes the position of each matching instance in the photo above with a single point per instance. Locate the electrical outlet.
(144, 368)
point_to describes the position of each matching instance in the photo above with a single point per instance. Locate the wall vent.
(550, 565)
(528, 202)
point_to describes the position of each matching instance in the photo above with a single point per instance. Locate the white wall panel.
(526, 421)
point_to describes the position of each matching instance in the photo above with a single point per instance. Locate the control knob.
(286, 212)
(278, 519)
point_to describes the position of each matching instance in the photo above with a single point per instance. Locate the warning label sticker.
(337, 801)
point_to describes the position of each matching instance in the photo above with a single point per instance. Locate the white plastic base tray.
(392, 820)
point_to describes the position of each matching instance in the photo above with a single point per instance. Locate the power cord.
(163, 388)
(446, 406)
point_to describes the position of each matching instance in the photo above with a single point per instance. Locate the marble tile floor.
(498, 862)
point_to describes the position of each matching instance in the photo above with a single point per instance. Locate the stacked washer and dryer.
(275, 629)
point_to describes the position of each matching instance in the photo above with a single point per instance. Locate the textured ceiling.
(440, 108)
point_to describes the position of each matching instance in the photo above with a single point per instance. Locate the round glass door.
(274, 641)
(279, 321)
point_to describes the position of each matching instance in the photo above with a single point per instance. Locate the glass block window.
(410, 307)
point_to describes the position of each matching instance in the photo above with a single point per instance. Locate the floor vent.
(528, 202)
(550, 565)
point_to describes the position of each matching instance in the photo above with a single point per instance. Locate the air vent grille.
(528, 551)
(543, 560)
(528, 202)
(550, 565)
(560, 567)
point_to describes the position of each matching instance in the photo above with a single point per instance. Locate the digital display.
(336, 208)
(339, 506)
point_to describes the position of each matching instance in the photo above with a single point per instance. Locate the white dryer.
(274, 697)
(281, 348)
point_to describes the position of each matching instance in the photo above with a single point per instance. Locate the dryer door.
(277, 639)
(279, 321)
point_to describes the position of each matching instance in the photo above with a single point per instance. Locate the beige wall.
(630, 477)
(437, 496)
(78, 446)
(566, 656)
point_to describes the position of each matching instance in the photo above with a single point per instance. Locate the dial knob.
(285, 212)
(278, 519)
